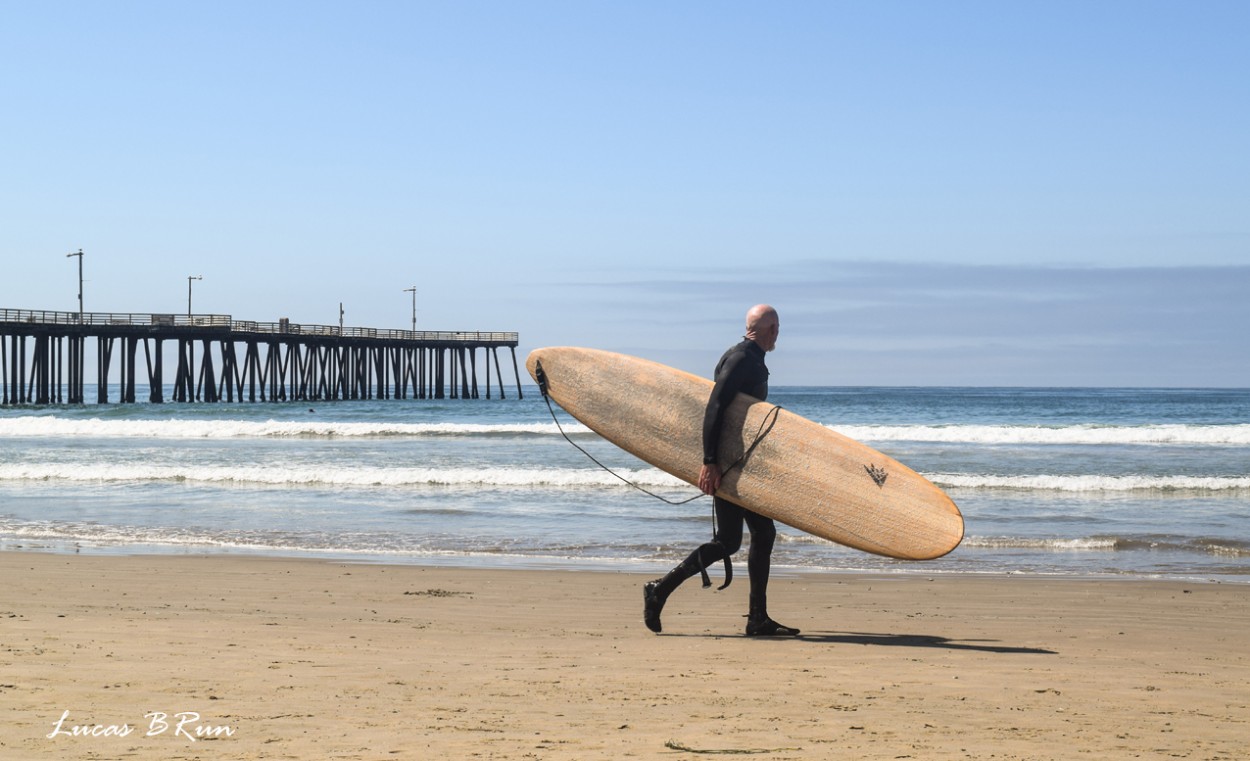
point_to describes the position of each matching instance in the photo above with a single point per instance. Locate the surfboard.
(792, 469)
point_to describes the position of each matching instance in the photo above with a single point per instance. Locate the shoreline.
(504, 562)
(304, 658)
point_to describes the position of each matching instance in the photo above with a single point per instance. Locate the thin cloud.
(895, 323)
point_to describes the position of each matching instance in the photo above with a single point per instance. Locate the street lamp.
(79, 255)
(189, 279)
(413, 291)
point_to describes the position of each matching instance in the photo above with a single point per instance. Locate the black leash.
(766, 425)
(542, 386)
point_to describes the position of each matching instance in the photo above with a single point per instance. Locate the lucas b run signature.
(184, 724)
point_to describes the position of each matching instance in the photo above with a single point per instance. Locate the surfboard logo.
(878, 475)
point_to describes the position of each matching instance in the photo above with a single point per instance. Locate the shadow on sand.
(896, 640)
(918, 640)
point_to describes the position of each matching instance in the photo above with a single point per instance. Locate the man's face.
(766, 332)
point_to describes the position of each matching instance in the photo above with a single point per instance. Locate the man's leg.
(759, 562)
(725, 542)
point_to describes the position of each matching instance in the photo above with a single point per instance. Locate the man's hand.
(709, 479)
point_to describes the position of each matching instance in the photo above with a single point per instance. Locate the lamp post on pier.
(79, 255)
(77, 353)
(191, 344)
(413, 291)
(189, 279)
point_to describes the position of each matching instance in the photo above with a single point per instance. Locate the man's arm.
(729, 381)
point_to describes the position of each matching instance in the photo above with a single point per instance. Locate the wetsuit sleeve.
(731, 379)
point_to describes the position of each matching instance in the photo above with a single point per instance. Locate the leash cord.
(766, 425)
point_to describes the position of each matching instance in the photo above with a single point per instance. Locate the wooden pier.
(43, 359)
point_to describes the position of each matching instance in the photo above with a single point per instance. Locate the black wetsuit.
(740, 370)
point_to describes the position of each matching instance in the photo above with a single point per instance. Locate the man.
(740, 370)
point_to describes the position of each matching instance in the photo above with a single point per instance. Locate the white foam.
(1092, 483)
(1211, 435)
(323, 475)
(1039, 543)
(336, 476)
(82, 428)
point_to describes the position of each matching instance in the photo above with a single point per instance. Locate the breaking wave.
(1210, 435)
(82, 428)
(41, 426)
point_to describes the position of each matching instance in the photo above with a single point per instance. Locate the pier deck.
(43, 359)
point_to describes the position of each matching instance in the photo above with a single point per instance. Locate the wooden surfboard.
(799, 472)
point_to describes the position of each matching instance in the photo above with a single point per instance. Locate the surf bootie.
(766, 627)
(655, 593)
(652, 604)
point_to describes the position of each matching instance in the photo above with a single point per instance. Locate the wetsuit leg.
(728, 526)
(727, 541)
(759, 558)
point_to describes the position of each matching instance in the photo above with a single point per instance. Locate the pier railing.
(225, 322)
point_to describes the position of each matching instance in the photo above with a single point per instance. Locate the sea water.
(1130, 482)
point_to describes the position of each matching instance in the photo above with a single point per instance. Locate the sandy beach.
(256, 658)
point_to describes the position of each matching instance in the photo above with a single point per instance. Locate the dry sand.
(293, 659)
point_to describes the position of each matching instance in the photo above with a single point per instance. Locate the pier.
(220, 359)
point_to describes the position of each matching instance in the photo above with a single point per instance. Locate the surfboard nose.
(536, 358)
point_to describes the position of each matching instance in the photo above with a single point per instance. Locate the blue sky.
(968, 193)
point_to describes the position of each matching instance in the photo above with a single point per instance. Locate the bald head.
(763, 326)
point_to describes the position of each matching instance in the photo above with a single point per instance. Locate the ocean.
(1051, 481)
